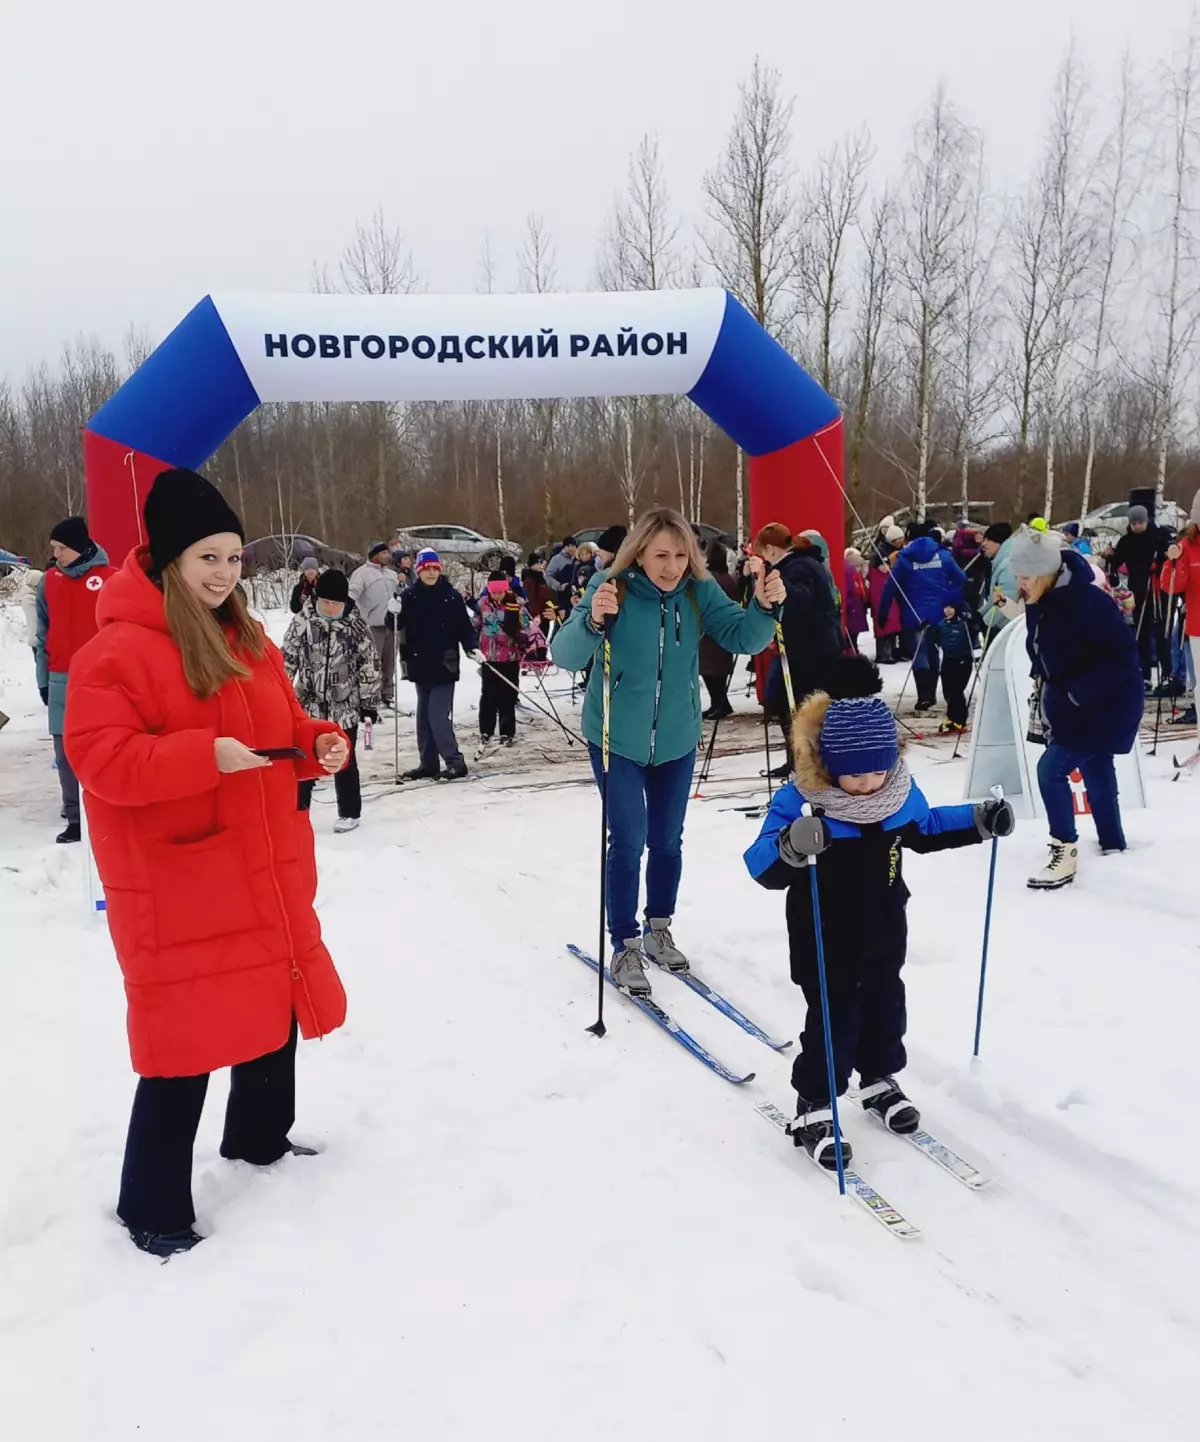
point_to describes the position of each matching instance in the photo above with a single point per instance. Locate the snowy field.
(517, 1231)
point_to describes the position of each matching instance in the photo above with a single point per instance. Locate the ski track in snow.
(514, 1226)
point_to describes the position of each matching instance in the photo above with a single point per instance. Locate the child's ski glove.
(806, 838)
(995, 818)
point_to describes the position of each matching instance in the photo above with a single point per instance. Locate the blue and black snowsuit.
(958, 659)
(860, 881)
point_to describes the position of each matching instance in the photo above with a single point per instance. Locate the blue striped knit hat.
(857, 736)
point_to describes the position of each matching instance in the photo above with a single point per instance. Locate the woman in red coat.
(207, 865)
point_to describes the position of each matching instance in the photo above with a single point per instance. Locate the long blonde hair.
(209, 641)
(656, 519)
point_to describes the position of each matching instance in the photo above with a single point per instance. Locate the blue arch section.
(185, 398)
(754, 390)
(193, 391)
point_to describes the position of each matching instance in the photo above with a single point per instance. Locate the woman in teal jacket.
(657, 601)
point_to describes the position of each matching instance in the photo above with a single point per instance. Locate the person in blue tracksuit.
(868, 809)
(924, 578)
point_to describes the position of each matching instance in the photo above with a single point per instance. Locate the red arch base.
(801, 486)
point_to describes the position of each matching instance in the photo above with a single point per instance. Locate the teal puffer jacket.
(655, 685)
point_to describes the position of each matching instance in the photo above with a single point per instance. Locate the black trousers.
(1149, 624)
(346, 783)
(718, 688)
(867, 1016)
(498, 699)
(156, 1178)
(956, 677)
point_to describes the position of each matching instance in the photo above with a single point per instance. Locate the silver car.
(457, 543)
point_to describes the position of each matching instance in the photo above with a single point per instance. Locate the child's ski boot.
(813, 1130)
(885, 1099)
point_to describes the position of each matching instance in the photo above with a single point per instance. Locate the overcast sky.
(152, 152)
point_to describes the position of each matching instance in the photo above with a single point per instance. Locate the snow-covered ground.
(517, 1231)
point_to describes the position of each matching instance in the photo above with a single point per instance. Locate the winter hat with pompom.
(1035, 553)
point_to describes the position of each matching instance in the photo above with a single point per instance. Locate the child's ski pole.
(829, 1066)
(998, 793)
(598, 1028)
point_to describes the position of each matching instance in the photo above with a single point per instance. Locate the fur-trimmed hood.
(811, 774)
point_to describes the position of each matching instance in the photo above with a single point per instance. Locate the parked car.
(9, 561)
(708, 534)
(457, 543)
(274, 553)
(1108, 524)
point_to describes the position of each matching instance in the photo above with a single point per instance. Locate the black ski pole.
(708, 756)
(572, 736)
(598, 1028)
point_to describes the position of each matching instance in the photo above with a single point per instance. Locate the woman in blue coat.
(1085, 657)
(657, 600)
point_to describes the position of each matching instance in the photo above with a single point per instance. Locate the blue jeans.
(646, 807)
(1100, 778)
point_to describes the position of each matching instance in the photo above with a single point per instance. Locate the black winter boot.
(164, 1244)
(813, 1130)
(71, 833)
(884, 1099)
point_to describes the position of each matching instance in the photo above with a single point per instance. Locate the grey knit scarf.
(866, 810)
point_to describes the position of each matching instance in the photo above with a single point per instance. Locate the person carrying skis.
(653, 605)
(866, 809)
(506, 632)
(330, 656)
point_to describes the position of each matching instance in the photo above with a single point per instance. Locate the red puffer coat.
(1182, 578)
(209, 878)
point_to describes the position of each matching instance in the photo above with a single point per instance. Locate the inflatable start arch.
(232, 352)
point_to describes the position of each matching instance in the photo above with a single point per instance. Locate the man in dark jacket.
(1142, 550)
(924, 579)
(435, 622)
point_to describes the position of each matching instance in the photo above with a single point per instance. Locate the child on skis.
(506, 632)
(958, 659)
(866, 809)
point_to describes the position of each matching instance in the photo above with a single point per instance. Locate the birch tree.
(876, 283)
(973, 378)
(1070, 242)
(1116, 184)
(932, 216)
(641, 248)
(750, 240)
(829, 207)
(1177, 292)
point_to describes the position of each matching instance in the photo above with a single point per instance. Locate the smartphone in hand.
(279, 753)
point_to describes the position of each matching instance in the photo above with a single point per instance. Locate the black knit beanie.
(612, 539)
(181, 509)
(333, 585)
(72, 532)
(998, 533)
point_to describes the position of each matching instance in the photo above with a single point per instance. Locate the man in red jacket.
(66, 618)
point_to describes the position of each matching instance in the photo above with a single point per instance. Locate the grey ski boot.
(629, 969)
(660, 946)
